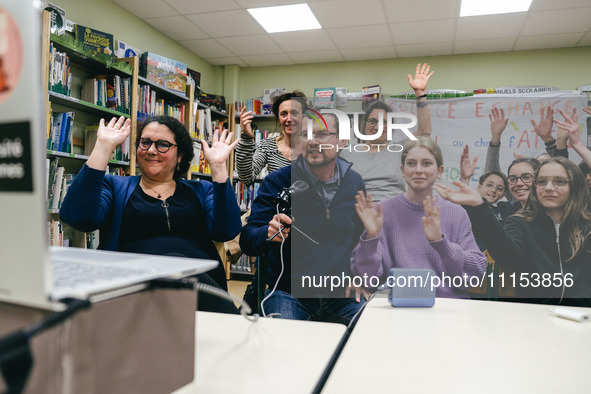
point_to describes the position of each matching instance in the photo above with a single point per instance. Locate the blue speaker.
(411, 287)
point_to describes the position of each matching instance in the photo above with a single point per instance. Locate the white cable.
(244, 307)
(280, 273)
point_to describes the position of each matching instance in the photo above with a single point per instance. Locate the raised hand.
(246, 122)
(113, 133)
(587, 109)
(432, 219)
(108, 137)
(217, 155)
(419, 82)
(498, 124)
(544, 128)
(372, 219)
(571, 126)
(467, 167)
(464, 196)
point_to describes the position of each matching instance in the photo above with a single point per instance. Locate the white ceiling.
(223, 32)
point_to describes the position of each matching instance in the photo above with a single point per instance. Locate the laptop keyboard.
(72, 274)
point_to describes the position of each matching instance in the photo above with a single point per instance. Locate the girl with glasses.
(546, 247)
(157, 212)
(416, 229)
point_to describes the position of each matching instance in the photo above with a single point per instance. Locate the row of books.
(245, 195)
(204, 125)
(121, 153)
(60, 234)
(242, 265)
(60, 77)
(57, 182)
(150, 105)
(108, 91)
(199, 163)
(260, 135)
(60, 133)
(56, 234)
(254, 105)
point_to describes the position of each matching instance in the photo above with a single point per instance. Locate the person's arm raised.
(217, 155)
(109, 136)
(419, 85)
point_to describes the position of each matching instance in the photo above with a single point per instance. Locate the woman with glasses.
(157, 212)
(546, 247)
(273, 152)
(382, 179)
(416, 229)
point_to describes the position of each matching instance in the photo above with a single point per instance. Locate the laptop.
(31, 273)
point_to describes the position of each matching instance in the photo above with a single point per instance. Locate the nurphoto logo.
(393, 122)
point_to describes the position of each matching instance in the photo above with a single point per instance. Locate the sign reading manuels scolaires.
(15, 157)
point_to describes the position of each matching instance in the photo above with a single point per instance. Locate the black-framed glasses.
(558, 181)
(162, 146)
(320, 136)
(525, 178)
(491, 186)
(373, 121)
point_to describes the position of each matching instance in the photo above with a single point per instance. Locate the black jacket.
(531, 251)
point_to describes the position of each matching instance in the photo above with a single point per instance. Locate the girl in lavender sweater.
(417, 230)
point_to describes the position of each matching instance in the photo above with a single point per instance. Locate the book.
(325, 98)
(57, 188)
(194, 78)
(269, 94)
(370, 94)
(65, 139)
(126, 50)
(110, 92)
(163, 71)
(54, 164)
(341, 100)
(94, 40)
(89, 138)
(58, 19)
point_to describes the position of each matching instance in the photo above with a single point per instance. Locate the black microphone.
(283, 201)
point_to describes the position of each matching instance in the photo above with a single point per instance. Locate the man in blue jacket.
(308, 260)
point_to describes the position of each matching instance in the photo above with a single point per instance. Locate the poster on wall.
(465, 121)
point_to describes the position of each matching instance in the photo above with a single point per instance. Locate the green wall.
(111, 18)
(563, 68)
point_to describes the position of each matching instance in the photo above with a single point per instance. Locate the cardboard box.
(139, 343)
(163, 71)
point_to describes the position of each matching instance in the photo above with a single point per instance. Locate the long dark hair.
(577, 207)
(181, 138)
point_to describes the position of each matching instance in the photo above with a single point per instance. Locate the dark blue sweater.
(97, 201)
(337, 232)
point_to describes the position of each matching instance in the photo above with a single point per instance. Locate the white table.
(234, 355)
(464, 346)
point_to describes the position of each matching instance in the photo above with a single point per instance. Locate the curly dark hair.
(295, 95)
(181, 138)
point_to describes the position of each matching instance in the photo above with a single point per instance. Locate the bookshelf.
(66, 67)
(66, 89)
